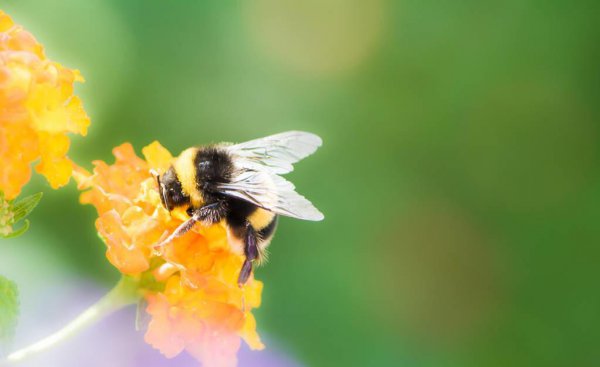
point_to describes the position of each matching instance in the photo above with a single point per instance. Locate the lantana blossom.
(37, 111)
(191, 286)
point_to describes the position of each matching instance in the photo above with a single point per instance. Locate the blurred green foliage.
(459, 176)
(9, 304)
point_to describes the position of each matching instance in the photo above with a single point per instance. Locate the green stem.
(123, 294)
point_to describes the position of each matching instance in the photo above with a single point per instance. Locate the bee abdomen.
(261, 218)
(267, 232)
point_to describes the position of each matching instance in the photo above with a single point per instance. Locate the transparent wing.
(277, 152)
(271, 192)
(258, 164)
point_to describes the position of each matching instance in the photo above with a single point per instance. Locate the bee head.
(169, 188)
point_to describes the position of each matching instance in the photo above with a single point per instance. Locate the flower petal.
(36, 95)
(194, 302)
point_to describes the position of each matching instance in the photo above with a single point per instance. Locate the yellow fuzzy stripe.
(186, 173)
(260, 218)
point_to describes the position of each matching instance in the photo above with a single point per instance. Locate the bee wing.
(271, 192)
(258, 164)
(277, 152)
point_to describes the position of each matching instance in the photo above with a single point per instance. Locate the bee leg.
(208, 214)
(211, 213)
(178, 232)
(251, 252)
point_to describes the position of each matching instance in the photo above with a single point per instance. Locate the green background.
(459, 175)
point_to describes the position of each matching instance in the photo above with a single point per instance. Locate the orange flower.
(193, 296)
(37, 110)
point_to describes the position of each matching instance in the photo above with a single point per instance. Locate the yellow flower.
(37, 110)
(194, 298)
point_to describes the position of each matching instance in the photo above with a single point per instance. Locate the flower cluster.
(194, 301)
(191, 287)
(37, 110)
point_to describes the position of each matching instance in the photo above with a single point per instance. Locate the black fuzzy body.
(214, 166)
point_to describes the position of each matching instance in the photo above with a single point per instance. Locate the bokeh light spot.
(316, 37)
(436, 279)
(528, 146)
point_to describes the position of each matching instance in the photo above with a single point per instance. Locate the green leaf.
(23, 207)
(12, 212)
(9, 310)
(18, 232)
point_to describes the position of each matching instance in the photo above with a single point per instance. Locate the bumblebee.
(241, 185)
